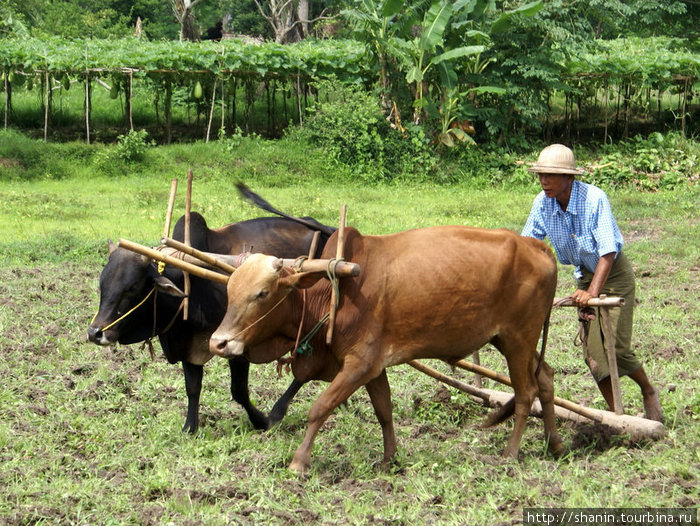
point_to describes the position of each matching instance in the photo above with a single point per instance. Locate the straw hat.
(556, 159)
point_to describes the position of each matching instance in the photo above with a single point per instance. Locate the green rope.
(305, 346)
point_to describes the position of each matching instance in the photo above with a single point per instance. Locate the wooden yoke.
(175, 262)
(191, 262)
(338, 256)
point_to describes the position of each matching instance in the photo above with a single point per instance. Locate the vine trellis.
(610, 75)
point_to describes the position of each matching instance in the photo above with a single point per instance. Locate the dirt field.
(91, 435)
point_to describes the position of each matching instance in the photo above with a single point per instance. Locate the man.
(578, 220)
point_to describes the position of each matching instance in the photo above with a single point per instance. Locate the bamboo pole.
(131, 100)
(188, 207)
(202, 256)
(171, 204)
(170, 260)
(7, 97)
(338, 256)
(47, 94)
(87, 105)
(343, 269)
(211, 109)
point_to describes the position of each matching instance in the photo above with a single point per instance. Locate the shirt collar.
(574, 199)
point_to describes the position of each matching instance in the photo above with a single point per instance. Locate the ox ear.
(302, 280)
(163, 284)
(111, 246)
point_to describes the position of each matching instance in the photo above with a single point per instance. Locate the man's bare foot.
(652, 406)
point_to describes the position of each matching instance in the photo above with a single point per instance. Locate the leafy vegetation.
(464, 65)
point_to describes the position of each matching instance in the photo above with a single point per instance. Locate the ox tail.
(508, 409)
(256, 200)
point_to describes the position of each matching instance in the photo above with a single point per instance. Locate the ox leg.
(380, 395)
(545, 383)
(523, 379)
(193, 387)
(281, 406)
(239, 367)
(355, 373)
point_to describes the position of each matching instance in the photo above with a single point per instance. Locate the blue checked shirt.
(580, 235)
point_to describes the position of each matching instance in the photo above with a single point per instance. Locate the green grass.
(91, 435)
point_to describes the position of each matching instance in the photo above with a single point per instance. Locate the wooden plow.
(616, 421)
(218, 268)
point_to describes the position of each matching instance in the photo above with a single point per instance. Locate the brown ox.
(440, 292)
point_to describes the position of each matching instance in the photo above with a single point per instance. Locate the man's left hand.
(581, 297)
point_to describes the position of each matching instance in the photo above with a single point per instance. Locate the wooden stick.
(474, 391)
(609, 347)
(171, 204)
(314, 244)
(170, 260)
(476, 359)
(188, 207)
(206, 257)
(635, 426)
(338, 256)
(602, 301)
(47, 94)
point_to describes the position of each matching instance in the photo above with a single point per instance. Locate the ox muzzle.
(100, 336)
(225, 346)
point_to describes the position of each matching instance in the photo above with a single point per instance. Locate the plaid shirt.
(582, 233)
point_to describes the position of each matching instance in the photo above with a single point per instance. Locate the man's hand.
(581, 297)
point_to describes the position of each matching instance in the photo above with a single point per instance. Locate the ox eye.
(264, 293)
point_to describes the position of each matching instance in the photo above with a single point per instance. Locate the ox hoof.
(298, 468)
(557, 449)
(299, 465)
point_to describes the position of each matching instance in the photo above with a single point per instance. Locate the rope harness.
(303, 345)
(585, 315)
(153, 292)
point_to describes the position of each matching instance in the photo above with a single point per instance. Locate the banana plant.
(463, 51)
(374, 23)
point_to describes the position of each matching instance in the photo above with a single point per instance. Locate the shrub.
(132, 146)
(650, 163)
(351, 128)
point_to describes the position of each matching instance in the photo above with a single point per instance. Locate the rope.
(124, 315)
(304, 346)
(334, 278)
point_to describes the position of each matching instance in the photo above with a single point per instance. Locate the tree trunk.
(184, 13)
(303, 16)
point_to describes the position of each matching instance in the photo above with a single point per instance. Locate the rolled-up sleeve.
(606, 232)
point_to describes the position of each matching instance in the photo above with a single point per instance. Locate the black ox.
(129, 278)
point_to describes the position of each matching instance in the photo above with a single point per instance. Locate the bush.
(351, 128)
(650, 163)
(132, 146)
(483, 167)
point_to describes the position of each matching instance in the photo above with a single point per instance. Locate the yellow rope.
(125, 315)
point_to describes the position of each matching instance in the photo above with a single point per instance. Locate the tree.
(184, 13)
(288, 18)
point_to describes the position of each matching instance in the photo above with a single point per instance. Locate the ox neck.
(309, 313)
